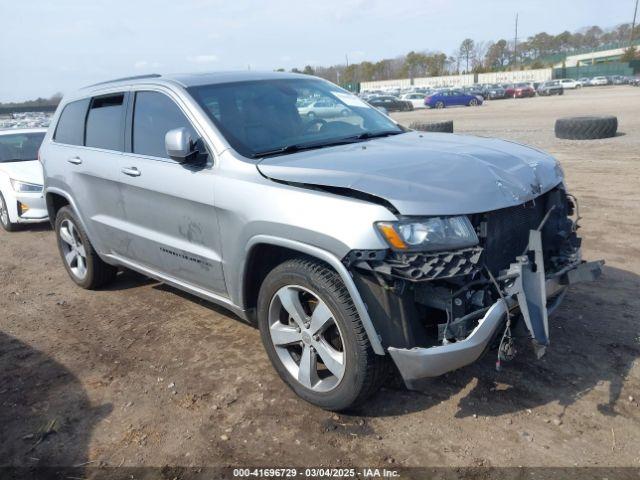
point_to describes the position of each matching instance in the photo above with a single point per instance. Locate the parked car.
(495, 92)
(597, 81)
(21, 197)
(391, 104)
(585, 81)
(619, 80)
(477, 90)
(570, 83)
(520, 90)
(451, 98)
(552, 87)
(214, 183)
(416, 99)
(323, 108)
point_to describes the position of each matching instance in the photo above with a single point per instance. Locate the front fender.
(336, 264)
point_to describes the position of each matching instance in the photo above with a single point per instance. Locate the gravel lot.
(144, 375)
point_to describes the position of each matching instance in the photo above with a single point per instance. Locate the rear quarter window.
(70, 127)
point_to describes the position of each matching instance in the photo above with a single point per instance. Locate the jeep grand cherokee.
(350, 240)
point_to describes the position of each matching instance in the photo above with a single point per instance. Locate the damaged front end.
(439, 311)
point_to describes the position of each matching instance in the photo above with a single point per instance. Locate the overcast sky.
(58, 45)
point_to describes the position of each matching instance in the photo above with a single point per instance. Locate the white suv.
(570, 83)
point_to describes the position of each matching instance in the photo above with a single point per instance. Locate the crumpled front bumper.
(419, 363)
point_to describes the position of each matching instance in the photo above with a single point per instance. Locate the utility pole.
(515, 44)
(346, 57)
(633, 24)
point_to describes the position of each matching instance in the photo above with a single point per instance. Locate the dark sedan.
(495, 91)
(391, 104)
(477, 90)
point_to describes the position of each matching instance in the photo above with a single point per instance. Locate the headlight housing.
(24, 187)
(429, 234)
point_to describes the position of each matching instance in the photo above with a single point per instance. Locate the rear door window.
(70, 128)
(105, 123)
(154, 115)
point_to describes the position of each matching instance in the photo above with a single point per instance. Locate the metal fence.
(600, 69)
(535, 75)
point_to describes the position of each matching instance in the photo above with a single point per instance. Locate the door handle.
(75, 160)
(132, 171)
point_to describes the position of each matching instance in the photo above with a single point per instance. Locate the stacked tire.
(442, 127)
(586, 128)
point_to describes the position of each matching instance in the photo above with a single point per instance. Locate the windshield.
(272, 117)
(20, 147)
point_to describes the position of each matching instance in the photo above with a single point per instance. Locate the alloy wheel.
(75, 254)
(307, 339)
(4, 213)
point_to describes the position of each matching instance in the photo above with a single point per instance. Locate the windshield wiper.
(384, 133)
(297, 147)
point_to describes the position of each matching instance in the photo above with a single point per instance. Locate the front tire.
(83, 264)
(314, 337)
(5, 222)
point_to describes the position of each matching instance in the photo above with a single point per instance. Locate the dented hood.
(426, 173)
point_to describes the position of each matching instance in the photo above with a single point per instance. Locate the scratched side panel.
(171, 223)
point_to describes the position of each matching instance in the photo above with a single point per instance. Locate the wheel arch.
(55, 201)
(278, 250)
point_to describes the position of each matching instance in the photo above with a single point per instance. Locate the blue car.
(450, 98)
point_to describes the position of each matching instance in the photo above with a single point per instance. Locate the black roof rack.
(135, 77)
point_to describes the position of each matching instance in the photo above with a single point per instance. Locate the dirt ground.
(143, 375)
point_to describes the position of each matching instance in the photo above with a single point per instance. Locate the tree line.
(537, 51)
(38, 102)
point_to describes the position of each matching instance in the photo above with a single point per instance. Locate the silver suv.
(352, 242)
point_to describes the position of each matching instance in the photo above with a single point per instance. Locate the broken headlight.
(429, 234)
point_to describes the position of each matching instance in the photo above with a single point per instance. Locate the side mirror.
(179, 144)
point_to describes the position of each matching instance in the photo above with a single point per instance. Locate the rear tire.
(439, 105)
(88, 271)
(311, 284)
(5, 222)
